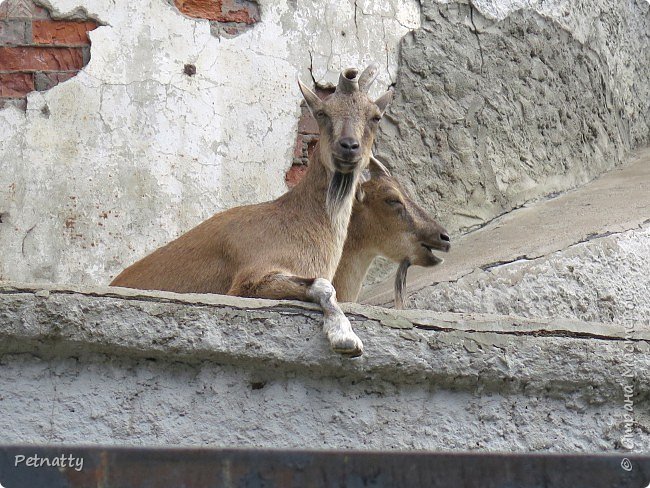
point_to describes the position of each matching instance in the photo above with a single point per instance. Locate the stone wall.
(111, 366)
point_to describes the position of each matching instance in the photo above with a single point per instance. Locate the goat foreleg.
(280, 285)
(337, 327)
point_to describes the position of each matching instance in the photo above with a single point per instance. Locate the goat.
(288, 248)
(386, 221)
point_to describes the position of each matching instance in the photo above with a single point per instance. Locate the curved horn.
(377, 168)
(368, 76)
(348, 81)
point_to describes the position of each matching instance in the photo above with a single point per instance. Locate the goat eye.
(376, 118)
(394, 203)
(320, 114)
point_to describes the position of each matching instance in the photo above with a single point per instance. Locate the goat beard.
(400, 283)
(341, 186)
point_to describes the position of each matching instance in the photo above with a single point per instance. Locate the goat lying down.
(386, 222)
(288, 248)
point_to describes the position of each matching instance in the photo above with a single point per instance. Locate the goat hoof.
(349, 346)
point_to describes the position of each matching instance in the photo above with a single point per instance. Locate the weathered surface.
(118, 467)
(490, 114)
(582, 254)
(135, 150)
(128, 367)
(604, 279)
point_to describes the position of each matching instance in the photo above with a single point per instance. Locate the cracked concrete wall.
(604, 279)
(500, 103)
(111, 366)
(132, 151)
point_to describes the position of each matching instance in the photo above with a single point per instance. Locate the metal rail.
(111, 467)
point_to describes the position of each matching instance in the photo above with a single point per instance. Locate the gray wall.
(496, 107)
(124, 367)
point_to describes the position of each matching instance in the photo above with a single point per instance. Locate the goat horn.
(377, 168)
(368, 76)
(348, 81)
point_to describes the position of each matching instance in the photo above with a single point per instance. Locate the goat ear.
(368, 76)
(383, 101)
(313, 100)
(376, 168)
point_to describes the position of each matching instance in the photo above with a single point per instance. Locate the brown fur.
(274, 249)
(387, 222)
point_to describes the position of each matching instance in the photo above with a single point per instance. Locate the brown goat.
(386, 222)
(288, 248)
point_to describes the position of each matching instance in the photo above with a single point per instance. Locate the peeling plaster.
(134, 137)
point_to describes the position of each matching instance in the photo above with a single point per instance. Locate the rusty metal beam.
(224, 468)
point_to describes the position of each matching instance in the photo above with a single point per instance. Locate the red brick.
(22, 9)
(295, 174)
(220, 10)
(40, 59)
(297, 149)
(40, 13)
(307, 125)
(16, 9)
(64, 33)
(16, 84)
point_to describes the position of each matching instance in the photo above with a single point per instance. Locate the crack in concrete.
(356, 25)
(496, 264)
(22, 246)
(555, 333)
(475, 31)
(387, 318)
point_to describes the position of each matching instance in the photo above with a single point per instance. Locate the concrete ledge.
(465, 351)
(472, 381)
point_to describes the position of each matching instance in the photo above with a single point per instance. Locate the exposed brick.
(307, 125)
(45, 81)
(297, 149)
(295, 174)
(40, 59)
(13, 32)
(62, 33)
(16, 84)
(241, 11)
(40, 13)
(22, 9)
